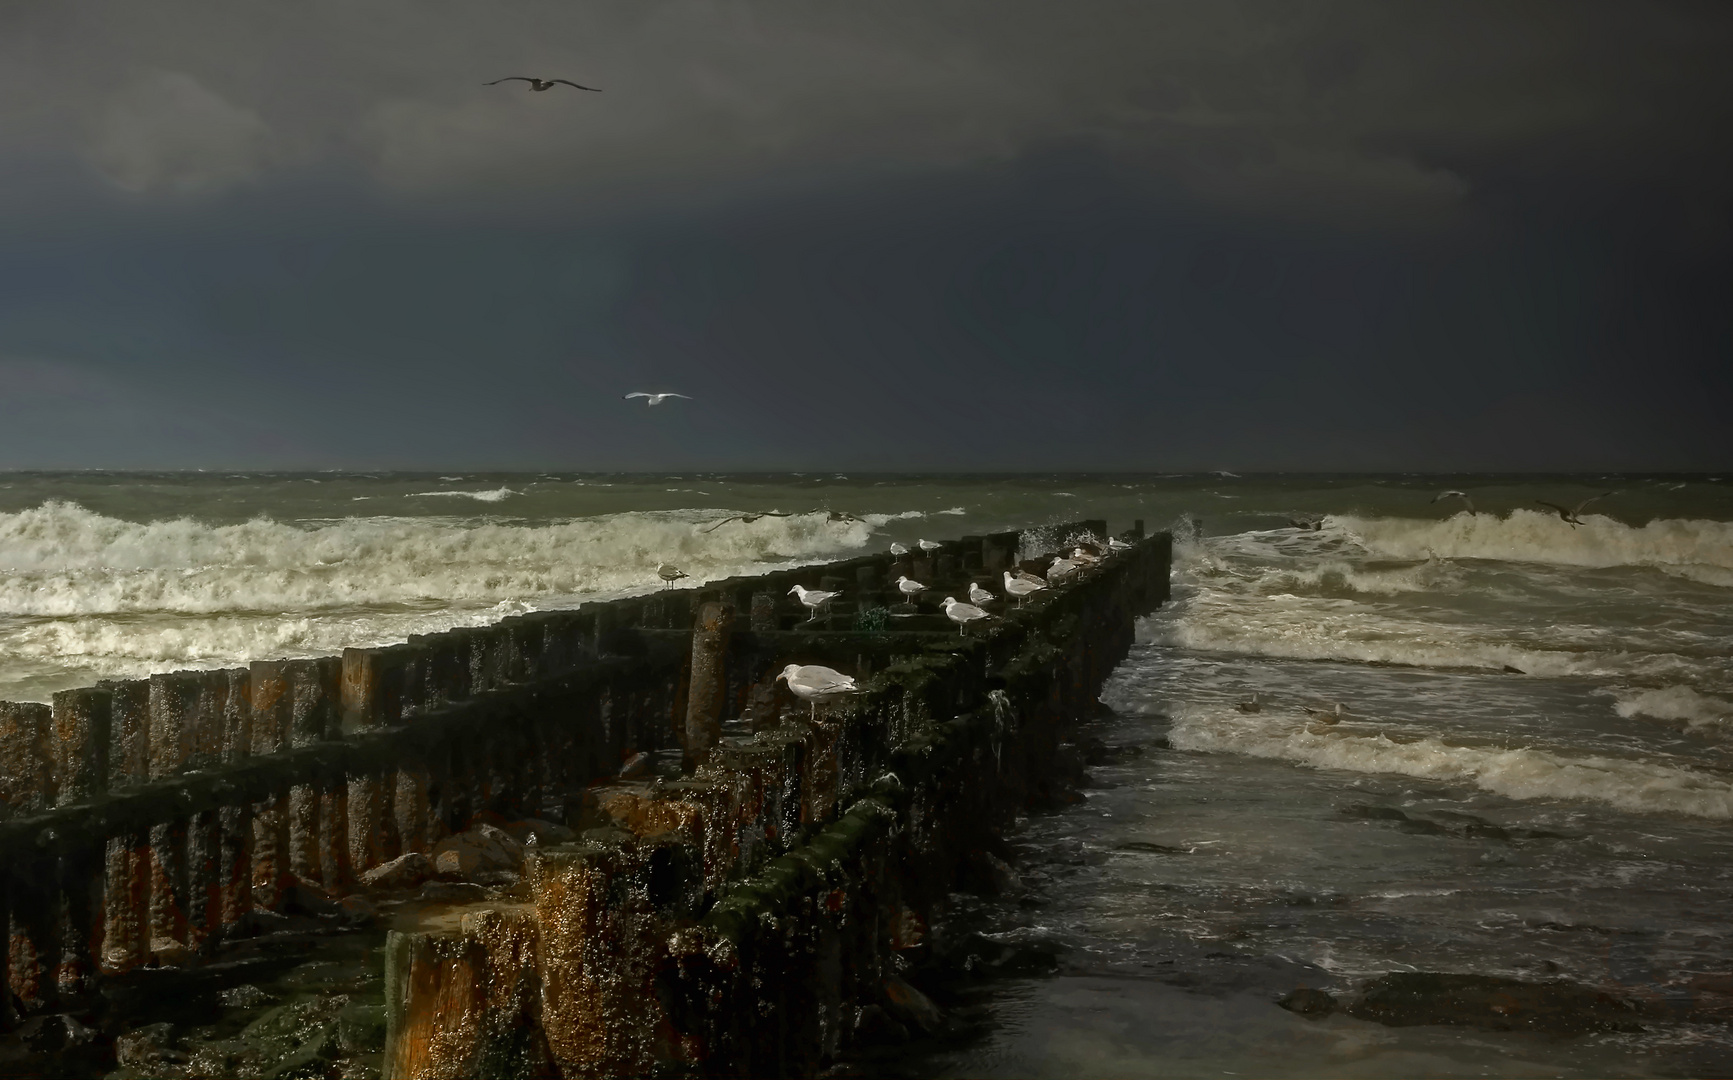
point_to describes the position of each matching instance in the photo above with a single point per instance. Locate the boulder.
(912, 1007)
(1404, 998)
(543, 833)
(1309, 1003)
(482, 849)
(146, 1046)
(403, 872)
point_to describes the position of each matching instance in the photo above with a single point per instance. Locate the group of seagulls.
(818, 685)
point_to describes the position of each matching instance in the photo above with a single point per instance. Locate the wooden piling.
(707, 687)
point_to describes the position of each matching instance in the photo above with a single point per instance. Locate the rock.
(1309, 1003)
(403, 872)
(480, 849)
(357, 910)
(1004, 879)
(56, 1033)
(544, 833)
(451, 892)
(146, 1046)
(244, 996)
(361, 1028)
(873, 1025)
(300, 898)
(911, 1006)
(1405, 998)
(169, 952)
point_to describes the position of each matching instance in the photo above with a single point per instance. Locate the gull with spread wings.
(1570, 517)
(538, 85)
(656, 399)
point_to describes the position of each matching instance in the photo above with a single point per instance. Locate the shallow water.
(1531, 777)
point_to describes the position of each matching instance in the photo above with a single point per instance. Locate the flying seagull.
(655, 399)
(817, 684)
(1463, 495)
(1569, 517)
(538, 85)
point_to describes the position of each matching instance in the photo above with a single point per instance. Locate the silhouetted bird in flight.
(1463, 495)
(656, 399)
(538, 85)
(1570, 516)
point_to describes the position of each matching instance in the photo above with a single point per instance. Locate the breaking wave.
(1528, 536)
(1524, 773)
(1681, 703)
(60, 560)
(499, 494)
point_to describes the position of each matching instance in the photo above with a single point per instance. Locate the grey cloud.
(165, 131)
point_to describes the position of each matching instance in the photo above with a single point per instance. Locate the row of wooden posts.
(145, 819)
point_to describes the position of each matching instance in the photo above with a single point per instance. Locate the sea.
(1372, 732)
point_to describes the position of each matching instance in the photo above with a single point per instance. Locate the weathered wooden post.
(235, 849)
(27, 786)
(173, 709)
(125, 938)
(372, 696)
(708, 685)
(81, 743)
(271, 698)
(314, 690)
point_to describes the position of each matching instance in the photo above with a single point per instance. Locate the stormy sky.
(896, 235)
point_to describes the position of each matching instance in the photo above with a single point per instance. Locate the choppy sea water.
(1532, 776)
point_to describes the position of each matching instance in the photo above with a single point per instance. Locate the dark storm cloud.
(1144, 234)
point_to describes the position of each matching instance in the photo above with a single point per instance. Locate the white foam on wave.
(1337, 575)
(499, 494)
(62, 560)
(1528, 536)
(1522, 773)
(1679, 703)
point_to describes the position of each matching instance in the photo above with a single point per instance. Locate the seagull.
(899, 550)
(978, 595)
(817, 684)
(1084, 557)
(1115, 544)
(1331, 715)
(928, 546)
(669, 573)
(1035, 579)
(1022, 586)
(1570, 516)
(655, 399)
(962, 614)
(813, 598)
(1061, 569)
(910, 588)
(538, 85)
(1254, 705)
(1463, 495)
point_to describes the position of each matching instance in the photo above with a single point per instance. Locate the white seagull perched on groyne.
(655, 399)
(669, 573)
(978, 595)
(1116, 545)
(1022, 587)
(817, 685)
(1062, 569)
(962, 614)
(910, 588)
(928, 546)
(899, 550)
(538, 85)
(813, 598)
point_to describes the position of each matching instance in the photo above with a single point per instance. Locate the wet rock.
(169, 952)
(361, 1028)
(244, 996)
(1309, 1003)
(1422, 827)
(978, 956)
(911, 1007)
(544, 833)
(1374, 813)
(144, 1047)
(57, 1033)
(451, 892)
(874, 1026)
(403, 872)
(300, 898)
(357, 910)
(1406, 998)
(483, 848)
(1147, 848)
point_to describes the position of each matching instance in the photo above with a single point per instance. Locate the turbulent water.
(1532, 775)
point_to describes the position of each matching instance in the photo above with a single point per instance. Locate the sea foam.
(1521, 773)
(1529, 536)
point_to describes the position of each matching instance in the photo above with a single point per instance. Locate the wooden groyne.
(600, 841)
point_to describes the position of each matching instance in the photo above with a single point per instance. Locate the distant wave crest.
(1525, 773)
(1529, 536)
